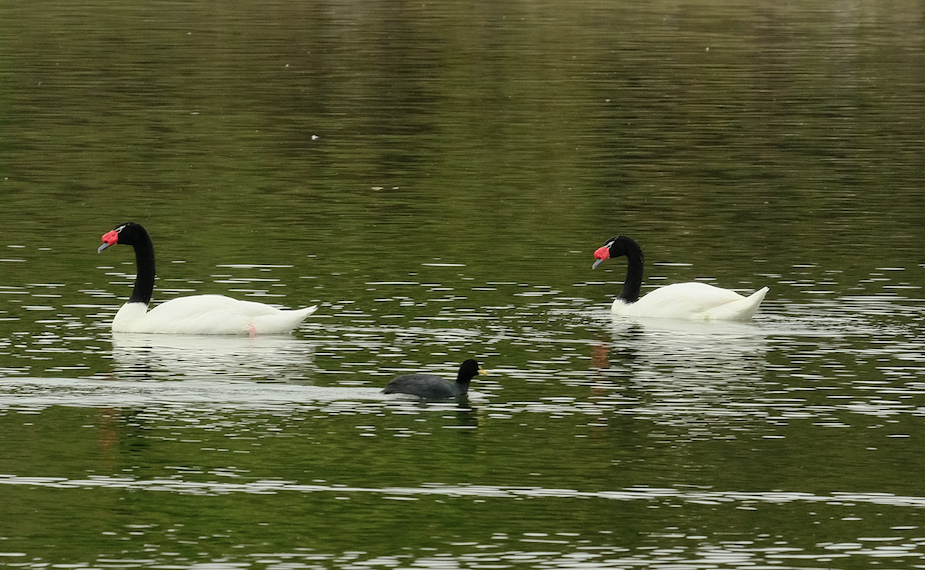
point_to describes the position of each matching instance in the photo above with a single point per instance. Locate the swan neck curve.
(632, 284)
(144, 265)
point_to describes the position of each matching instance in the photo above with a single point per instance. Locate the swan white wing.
(281, 322)
(692, 301)
(208, 314)
(744, 308)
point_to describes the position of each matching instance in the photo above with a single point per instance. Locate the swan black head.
(620, 246)
(128, 233)
(134, 235)
(616, 247)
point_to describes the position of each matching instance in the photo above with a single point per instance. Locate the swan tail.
(740, 310)
(281, 322)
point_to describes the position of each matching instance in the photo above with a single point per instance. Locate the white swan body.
(692, 301)
(697, 301)
(208, 314)
(195, 314)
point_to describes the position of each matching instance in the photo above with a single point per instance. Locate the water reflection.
(828, 527)
(686, 346)
(174, 357)
(683, 373)
(328, 152)
(658, 495)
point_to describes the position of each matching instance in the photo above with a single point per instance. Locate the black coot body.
(433, 387)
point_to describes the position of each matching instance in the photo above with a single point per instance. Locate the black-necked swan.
(433, 387)
(678, 301)
(196, 314)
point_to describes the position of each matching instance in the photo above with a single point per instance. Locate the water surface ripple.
(436, 177)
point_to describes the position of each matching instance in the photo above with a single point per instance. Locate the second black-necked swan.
(681, 300)
(195, 314)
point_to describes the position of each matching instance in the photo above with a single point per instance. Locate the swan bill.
(110, 238)
(602, 253)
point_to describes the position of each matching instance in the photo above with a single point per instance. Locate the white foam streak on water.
(35, 394)
(676, 402)
(41, 393)
(666, 494)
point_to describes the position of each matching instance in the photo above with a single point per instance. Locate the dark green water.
(436, 179)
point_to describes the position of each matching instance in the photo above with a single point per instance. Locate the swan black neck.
(144, 280)
(632, 285)
(135, 235)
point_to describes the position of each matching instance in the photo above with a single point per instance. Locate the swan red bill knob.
(109, 239)
(601, 254)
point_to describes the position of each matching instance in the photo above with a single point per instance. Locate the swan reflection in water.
(689, 345)
(207, 357)
(686, 373)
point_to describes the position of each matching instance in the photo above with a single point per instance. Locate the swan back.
(692, 301)
(208, 314)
